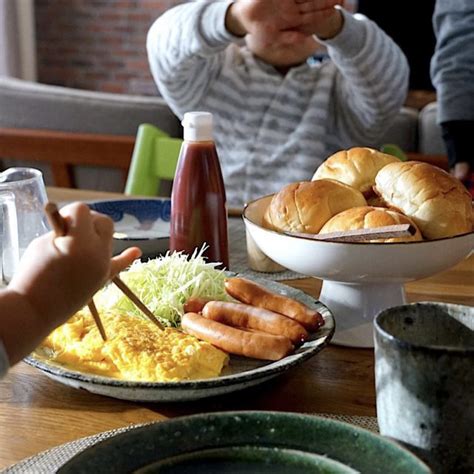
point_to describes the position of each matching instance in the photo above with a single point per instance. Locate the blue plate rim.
(130, 199)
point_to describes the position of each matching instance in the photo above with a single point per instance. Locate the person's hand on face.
(283, 21)
(280, 32)
(320, 18)
(266, 20)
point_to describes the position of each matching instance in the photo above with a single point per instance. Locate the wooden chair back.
(65, 150)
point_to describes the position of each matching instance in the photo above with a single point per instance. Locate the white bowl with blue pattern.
(144, 223)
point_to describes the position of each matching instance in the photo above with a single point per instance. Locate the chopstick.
(59, 226)
(136, 300)
(361, 235)
(95, 314)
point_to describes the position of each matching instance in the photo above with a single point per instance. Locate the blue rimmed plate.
(241, 372)
(144, 223)
(250, 442)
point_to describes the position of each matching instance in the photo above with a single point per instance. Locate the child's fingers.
(79, 218)
(122, 261)
(309, 6)
(76, 216)
(103, 225)
(317, 4)
(308, 20)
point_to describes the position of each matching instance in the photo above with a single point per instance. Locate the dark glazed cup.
(424, 374)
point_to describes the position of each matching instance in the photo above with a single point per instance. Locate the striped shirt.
(273, 129)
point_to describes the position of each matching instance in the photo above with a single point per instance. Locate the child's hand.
(264, 19)
(122, 261)
(320, 18)
(58, 275)
(286, 21)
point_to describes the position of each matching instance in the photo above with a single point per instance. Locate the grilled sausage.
(249, 292)
(195, 305)
(236, 341)
(250, 317)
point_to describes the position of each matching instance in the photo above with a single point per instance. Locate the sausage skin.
(249, 292)
(236, 341)
(195, 305)
(250, 317)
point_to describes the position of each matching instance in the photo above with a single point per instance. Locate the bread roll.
(436, 201)
(356, 167)
(306, 206)
(369, 217)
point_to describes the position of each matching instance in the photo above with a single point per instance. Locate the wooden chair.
(440, 161)
(76, 137)
(64, 150)
(437, 160)
(144, 160)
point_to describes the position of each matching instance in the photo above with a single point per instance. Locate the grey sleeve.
(452, 66)
(371, 81)
(186, 51)
(4, 361)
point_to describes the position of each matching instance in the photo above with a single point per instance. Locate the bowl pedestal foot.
(355, 306)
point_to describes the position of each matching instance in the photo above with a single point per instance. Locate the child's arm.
(57, 276)
(186, 51)
(320, 18)
(371, 82)
(188, 45)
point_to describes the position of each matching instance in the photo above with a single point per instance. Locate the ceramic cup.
(424, 374)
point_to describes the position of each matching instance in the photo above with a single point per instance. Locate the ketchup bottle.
(198, 202)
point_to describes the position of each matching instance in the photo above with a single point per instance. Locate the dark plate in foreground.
(250, 442)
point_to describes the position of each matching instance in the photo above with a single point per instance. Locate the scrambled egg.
(135, 350)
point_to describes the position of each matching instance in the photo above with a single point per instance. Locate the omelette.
(135, 350)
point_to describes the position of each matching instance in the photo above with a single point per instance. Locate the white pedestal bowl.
(359, 279)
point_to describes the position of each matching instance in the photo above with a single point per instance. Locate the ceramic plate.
(250, 442)
(141, 222)
(241, 372)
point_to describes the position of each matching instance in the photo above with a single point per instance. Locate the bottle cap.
(197, 126)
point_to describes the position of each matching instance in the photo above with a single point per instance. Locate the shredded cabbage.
(164, 284)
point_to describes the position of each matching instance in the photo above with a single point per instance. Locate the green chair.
(154, 157)
(394, 150)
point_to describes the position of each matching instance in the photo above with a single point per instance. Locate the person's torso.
(270, 129)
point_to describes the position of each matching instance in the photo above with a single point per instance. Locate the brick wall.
(96, 44)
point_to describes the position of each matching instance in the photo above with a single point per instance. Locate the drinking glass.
(22, 217)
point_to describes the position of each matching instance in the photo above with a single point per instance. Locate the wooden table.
(37, 413)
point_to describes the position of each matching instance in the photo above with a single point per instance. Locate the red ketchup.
(198, 202)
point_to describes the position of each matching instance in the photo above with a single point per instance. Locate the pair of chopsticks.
(362, 235)
(59, 225)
